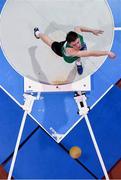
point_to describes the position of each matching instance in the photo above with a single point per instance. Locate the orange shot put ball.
(75, 152)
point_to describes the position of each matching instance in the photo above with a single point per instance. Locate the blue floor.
(105, 119)
(10, 119)
(49, 160)
(41, 157)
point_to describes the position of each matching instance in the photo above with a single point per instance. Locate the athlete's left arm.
(96, 32)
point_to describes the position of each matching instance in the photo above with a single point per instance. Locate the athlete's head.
(73, 39)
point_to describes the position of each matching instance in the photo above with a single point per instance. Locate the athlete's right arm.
(86, 53)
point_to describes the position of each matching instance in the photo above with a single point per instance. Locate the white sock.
(78, 63)
(38, 33)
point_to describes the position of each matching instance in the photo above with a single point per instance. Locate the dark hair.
(71, 36)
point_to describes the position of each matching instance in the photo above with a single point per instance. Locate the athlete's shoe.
(79, 69)
(35, 30)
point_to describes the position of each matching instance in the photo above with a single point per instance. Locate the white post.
(29, 100)
(17, 145)
(83, 110)
(96, 148)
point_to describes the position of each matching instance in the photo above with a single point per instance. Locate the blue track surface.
(46, 159)
(105, 119)
(10, 119)
(49, 160)
(116, 10)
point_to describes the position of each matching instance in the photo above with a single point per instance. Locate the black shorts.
(57, 47)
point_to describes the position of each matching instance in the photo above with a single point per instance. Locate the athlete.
(74, 46)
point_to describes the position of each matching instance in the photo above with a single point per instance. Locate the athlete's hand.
(97, 32)
(111, 55)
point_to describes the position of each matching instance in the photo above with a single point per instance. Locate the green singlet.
(67, 58)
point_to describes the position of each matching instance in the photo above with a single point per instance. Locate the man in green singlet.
(74, 47)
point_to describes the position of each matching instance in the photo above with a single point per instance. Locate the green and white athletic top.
(68, 58)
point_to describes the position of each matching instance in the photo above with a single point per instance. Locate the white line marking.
(117, 28)
(90, 108)
(71, 128)
(42, 126)
(96, 147)
(102, 96)
(23, 110)
(10, 96)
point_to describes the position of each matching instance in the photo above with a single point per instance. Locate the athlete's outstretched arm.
(85, 53)
(96, 32)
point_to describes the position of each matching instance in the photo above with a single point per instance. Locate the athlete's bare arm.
(86, 53)
(96, 32)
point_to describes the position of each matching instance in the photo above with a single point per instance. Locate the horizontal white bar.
(117, 28)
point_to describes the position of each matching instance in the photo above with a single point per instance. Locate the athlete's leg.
(79, 66)
(46, 39)
(78, 61)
